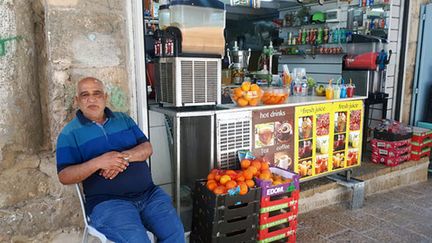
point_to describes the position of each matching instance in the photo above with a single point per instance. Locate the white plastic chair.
(88, 229)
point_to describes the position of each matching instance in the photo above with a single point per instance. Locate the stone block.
(102, 31)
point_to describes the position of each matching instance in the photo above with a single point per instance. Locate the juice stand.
(309, 134)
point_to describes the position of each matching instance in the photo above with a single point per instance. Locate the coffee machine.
(238, 63)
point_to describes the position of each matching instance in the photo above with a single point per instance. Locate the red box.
(417, 156)
(376, 143)
(421, 134)
(392, 152)
(390, 161)
(278, 232)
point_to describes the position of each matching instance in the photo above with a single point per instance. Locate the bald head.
(89, 80)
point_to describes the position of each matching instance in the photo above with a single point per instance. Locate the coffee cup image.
(284, 131)
(283, 161)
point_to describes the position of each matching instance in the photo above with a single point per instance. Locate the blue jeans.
(128, 221)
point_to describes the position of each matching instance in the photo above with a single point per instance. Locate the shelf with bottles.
(384, 5)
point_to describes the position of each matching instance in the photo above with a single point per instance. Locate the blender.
(238, 63)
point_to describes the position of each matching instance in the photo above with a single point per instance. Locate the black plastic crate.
(383, 135)
(224, 218)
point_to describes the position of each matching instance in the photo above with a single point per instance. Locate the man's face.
(91, 99)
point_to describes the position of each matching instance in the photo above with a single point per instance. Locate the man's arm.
(140, 152)
(111, 161)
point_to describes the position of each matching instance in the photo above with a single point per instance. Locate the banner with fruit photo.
(273, 136)
(355, 132)
(340, 128)
(313, 137)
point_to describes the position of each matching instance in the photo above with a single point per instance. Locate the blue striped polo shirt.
(82, 140)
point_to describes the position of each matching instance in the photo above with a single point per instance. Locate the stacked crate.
(224, 218)
(421, 143)
(390, 153)
(279, 208)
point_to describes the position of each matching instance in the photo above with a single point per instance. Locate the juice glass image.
(343, 92)
(329, 91)
(336, 92)
(350, 90)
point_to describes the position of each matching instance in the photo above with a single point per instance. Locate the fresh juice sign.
(312, 139)
(273, 136)
(355, 133)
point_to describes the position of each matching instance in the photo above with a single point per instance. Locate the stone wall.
(60, 42)
(413, 23)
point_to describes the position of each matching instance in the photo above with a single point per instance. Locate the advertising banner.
(273, 136)
(312, 139)
(355, 132)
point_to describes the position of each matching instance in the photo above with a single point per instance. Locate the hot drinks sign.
(273, 137)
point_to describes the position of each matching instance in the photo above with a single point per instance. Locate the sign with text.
(273, 136)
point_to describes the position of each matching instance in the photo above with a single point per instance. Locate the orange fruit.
(257, 164)
(246, 86)
(211, 186)
(253, 102)
(217, 177)
(238, 92)
(243, 188)
(240, 178)
(211, 176)
(224, 179)
(250, 183)
(265, 176)
(248, 175)
(230, 185)
(219, 190)
(254, 87)
(265, 165)
(267, 172)
(242, 102)
(277, 182)
(245, 164)
(253, 169)
(211, 181)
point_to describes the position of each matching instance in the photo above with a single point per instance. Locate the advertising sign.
(273, 136)
(312, 139)
(354, 133)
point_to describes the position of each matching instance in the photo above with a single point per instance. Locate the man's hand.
(112, 161)
(109, 174)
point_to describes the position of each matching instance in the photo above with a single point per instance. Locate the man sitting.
(107, 152)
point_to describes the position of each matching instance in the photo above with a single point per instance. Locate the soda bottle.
(326, 35)
(304, 36)
(299, 37)
(319, 38)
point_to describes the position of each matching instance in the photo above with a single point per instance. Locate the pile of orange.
(220, 181)
(260, 169)
(247, 94)
(272, 98)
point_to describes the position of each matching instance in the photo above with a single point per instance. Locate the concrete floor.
(401, 215)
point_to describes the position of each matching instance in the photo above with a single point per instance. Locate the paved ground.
(401, 215)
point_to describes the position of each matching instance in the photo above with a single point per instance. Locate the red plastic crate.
(417, 156)
(278, 212)
(392, 152)
(390, 161)
(281, 239)
(420, 135)
(421, 149)
(376, 143)
(278, 232)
